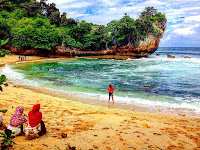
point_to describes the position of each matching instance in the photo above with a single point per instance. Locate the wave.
(16, 77)
(142, 102)
(146, 65)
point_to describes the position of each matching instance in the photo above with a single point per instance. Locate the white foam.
(142, 102)
(16, 77)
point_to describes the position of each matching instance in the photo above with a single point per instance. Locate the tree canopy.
(40, 25)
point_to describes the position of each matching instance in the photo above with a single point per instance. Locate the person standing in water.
(111, 90)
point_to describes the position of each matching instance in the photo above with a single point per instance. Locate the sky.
(183, 16)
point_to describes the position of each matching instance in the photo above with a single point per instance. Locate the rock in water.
(170, 56)
(187, 57)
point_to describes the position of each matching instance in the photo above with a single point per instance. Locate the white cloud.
(187, 30)
(109, 2)
(58, 2)
(176, 26)
(168, 37)
(76, 5)
(153, 3)
(192, 18)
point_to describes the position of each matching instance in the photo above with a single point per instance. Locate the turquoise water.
(148, 82)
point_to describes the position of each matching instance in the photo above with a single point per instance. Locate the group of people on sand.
(34, 126)
(21, 58)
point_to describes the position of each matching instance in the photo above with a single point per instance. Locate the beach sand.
(96, 127)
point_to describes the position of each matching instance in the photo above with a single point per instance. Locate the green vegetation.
(2, 81)
(4, 110)
(7, 141)
(39, 25)
(2, 54)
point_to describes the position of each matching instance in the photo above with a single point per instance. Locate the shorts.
(110, 94)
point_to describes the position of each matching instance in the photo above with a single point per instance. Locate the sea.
(154, 82)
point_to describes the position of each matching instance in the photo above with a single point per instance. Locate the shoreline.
(102, 102)
(92, 127)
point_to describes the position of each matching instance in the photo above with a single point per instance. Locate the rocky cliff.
(145, 47)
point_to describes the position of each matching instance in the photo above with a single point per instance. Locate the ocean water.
(155, 81)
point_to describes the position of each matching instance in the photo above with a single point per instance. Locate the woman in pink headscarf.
(34, 123)
(16, 122)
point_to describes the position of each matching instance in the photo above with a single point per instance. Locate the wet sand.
(97, 127)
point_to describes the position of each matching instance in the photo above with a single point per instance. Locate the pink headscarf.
(18, 119)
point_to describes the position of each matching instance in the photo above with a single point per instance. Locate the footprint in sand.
(156, 133)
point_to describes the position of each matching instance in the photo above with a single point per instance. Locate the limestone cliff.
(145, 47)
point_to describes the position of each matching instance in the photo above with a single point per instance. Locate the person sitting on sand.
(2, 126)
(16, 122)
(111, 90)
(35, 126)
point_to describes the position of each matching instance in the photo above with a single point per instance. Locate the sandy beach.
(96, 127)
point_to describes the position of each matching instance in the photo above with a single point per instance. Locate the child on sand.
(16, 122)
(35, 126)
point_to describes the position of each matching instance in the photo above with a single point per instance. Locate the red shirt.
(111, 89)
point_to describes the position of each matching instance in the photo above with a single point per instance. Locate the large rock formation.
(145, 47)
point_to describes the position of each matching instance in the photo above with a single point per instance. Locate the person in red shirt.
(111, 90)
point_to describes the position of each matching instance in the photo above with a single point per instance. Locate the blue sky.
(183, 27)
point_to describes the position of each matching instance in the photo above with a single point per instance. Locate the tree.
(63, 19)
(124, 30)
(39, 38)
(5, 27)
(7, 5)
(71, 43)
(71, 22)
(51, 8)
(19, 14)
(44, 7)
(148, 11)
(31, 8)
(55, 18)
(94, 40)
(78, 33)
(19, 1)
(86, 26)
(2, 54)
